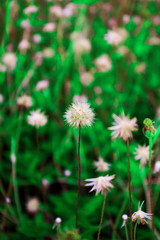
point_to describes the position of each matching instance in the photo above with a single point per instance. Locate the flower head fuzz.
(140, 216)
(100, 184)
(101, 165)
(123, 126)
(79, 114)
(37, 119)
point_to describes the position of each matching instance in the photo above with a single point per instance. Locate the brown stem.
(99, 230)
(130, 197)
(79, 178)
(150, 185)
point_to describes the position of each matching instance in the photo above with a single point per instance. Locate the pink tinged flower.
(113, 37)
(56, 11)
(86, 78)
(78, 98)
(140, 216)
(32, 205)
(49, 27)
(81, 46)
(157, 167)
(67, 173)
(36, 38)
(7, 200)
(123, 127)
(103, 63)
(25, 24)
(24, 45)
(25, 101)
(30, 9)
(101, 165)
(125, 218)
(142, 154)
(37, 118)
(57, 222)
(45, 183)
(10, 60)
(100, 184)
(42, 85)
(79, 114)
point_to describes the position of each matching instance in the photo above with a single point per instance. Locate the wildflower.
(25, 24)
(49, 27)
(81, 46)
(78, 98)
(45, 183)
(148, 129)
(113, 37)
(1, 98)
(86, 78)
(36, 38)
(140, 68)
(79, 114)
(30, 9)
(25, 101)
(42, 85)
(103, 63)
(157, 167)
(123, 127)
(100, 184)
(48, 52)
(37, 119)
(101, 165)
(10, 60)
(23, 45)
(56, 11)
(7, 200)
(125, 218)
(141, 216)
(142, 154)
(67, 173)
(69, 10)
(32, 205)
(57, 222)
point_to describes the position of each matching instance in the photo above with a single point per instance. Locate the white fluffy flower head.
(142, 154)
(10, 60)
(32, 205)
(79, 114)
(103, 63)
(113, 37)
(101, 165)
(123, 127)
(140, 216)
(25, 101)
(37, 119)
(125, 218)
(157, 167)
(100, 184)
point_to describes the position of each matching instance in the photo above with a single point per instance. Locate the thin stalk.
(130, 197)
(100, 224)
(150, 185)
(135, 228)
(79, 177)
(16, 196)
(126, 231)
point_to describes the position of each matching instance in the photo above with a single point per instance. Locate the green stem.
(130, 197)
(16, 195)
(126, 231)
(150, 184)
(99, 230)
(135, 228)
(79, 177)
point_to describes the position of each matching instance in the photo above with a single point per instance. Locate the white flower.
(1, 98)
(100, 184)
(25, 101)
(113, 37)
(48, 52)
(36, 38)
(42, 85)
(32, 205)
(67, 173)
(140, 68)
(78, 98)
(45, 183)
(30, 9)
(69, 10)
(10, 60)
(125, 218)
(123, 127)
(57, 11)
(24, 45)
(86, 78)
(37, 119)
(25, 24)
(101, 165)
(157, 167)
(49, 27)
(81, 46)
(57, 222)
(140, 216)
(78, 114)
(142, 154)
(103, 63)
